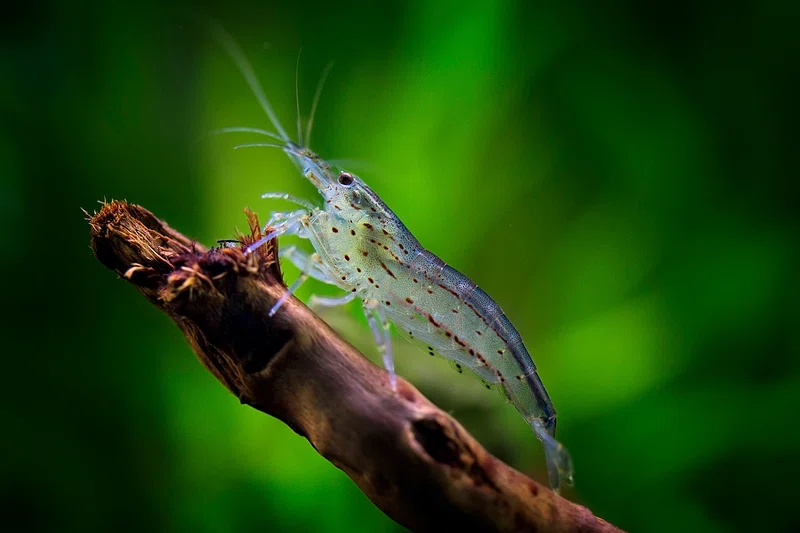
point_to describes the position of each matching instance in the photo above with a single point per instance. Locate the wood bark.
(414, 461)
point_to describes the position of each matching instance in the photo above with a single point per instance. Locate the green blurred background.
(620, 179)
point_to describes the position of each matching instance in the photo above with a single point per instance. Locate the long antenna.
(233, 50)
(315, 102)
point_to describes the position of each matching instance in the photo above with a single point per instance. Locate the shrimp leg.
(288, 223)
(289, 198)
(313, 260)
(306, 263)
(279, 217)
(324, 301)
(380, 330)
(276, 216)
(317, 271)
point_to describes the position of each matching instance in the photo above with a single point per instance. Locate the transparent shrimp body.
(362, 247)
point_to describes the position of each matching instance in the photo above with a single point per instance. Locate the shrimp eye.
(346, 179)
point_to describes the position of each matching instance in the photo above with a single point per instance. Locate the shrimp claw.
(290, 224)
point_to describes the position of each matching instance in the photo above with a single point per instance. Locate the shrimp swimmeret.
(363, 248)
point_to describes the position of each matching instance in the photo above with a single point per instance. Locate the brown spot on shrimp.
(475, 311)
(448, 289)
(387, 270)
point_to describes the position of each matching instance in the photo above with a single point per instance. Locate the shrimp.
(362, 247)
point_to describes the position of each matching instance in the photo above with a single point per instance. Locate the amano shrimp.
(362, 247)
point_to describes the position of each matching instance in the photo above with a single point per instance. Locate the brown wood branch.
(415, 462)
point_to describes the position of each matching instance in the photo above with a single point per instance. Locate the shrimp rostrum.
(362, 247)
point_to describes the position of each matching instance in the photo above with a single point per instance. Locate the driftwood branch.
(415, 462)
